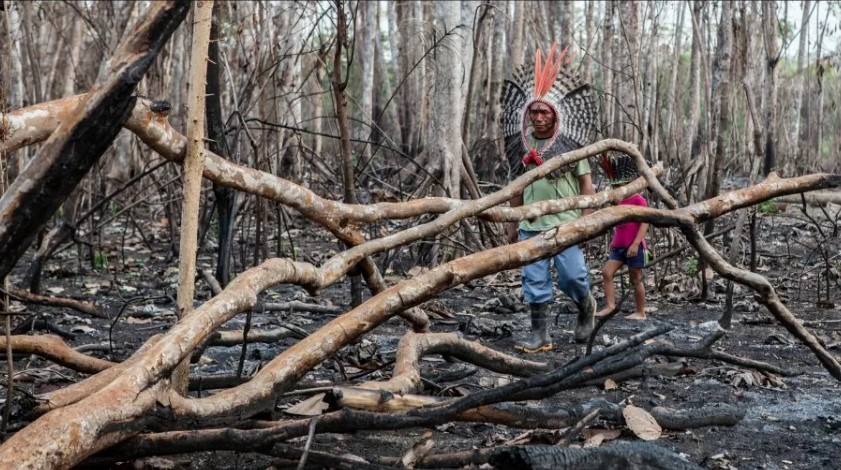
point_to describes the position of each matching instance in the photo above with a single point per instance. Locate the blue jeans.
(621, 254)
(573, 276)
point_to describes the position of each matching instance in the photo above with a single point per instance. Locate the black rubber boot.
(585, 322)
(540, 340)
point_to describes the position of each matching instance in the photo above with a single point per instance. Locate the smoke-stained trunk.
(690, 129)
(217, 143)
(370, 26)
(628, 121)
(772, 57)
(339, 85)
(795, 142)
(517, 30)
(672, 110)
(447, 102)
(589, 31)
(721, 106)
(607, 70)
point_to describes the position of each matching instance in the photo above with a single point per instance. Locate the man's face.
(542, 119)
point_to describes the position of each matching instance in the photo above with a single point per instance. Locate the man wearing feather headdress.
(547, 112)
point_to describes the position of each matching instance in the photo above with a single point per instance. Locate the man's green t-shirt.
(545, 189)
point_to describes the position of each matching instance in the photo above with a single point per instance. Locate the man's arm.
(585, 187)
(511, 229)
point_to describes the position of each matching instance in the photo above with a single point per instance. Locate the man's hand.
(632, 250)
(512, 234)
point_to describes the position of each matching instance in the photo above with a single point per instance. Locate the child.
(628, 245)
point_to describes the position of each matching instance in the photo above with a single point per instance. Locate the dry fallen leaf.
(312, 406)
(82, 329)
(206, 361)
(642, 423)
(55, 290)
(594, 437)
(522, 438)
(609, 384)
(418, 450)
(494, 382)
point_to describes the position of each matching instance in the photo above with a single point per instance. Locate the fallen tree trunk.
(406, 377)
(721, 414)
(813, 199)
(55, 349)
(516, 416)
(78, 305)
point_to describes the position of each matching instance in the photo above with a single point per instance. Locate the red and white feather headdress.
(570, 98)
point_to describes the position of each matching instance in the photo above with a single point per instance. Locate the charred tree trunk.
(688, 161)
(607, 71)
(340, 100)
(629, 123)
(516, 34)
(217, 142)
(674, 113)
(796, 147)
(721, 110)
(589, 33)
(772, 58)
(624, 455)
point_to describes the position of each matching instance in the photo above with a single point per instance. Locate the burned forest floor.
(790, 422)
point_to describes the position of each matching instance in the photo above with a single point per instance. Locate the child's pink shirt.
(625, 233)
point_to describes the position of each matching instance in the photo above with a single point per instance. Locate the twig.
(80, 306)
(602, 321)
(324, 459)
(303, 462)
(573, 432)
(244, 349)
(10, 363)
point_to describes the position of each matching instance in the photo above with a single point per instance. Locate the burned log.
(718, 414)
(620, 456)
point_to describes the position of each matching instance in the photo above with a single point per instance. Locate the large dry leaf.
(312, 406)
(609, 384)
(642, 423)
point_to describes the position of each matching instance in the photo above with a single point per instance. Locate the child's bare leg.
(639, 294)
(608, 272)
